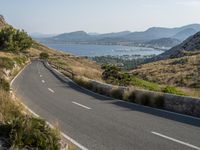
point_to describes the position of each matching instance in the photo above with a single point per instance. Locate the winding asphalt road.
(101, 123)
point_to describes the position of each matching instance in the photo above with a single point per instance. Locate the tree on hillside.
(14, 40)
(44, 55)
(114, 75)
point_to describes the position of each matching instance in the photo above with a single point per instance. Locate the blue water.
(103, 50)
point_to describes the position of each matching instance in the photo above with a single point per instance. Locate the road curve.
(100, 123)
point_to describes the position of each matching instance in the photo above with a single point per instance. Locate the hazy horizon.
(54, 17)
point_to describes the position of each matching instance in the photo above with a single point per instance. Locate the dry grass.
(183, 72)
(65, 62)
(195, 92)
(10, 107)
(78, 66)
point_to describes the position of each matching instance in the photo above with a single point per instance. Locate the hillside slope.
(163, 42)
(188, 47)
(179, 66)
(184, 72)
(78, 66)
(2, 22)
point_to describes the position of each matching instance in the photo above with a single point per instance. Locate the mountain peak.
(78, 32)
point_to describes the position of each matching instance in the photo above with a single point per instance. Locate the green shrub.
(4, 84)
(116, 93)
(145, 84)
(20, 60)
(172, 90)
(8, 108)
(6, 63)
(114, 75)
(44, 55)
(32, 133)
(14, 40)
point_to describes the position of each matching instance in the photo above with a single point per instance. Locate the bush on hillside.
(20, 60)
(145, 84)
(4, 85)
(44, 55)
(172, 90)
(114, 75)
(6, 63)
(32, 133)
(13, 40)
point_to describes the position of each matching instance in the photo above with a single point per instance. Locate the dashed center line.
(40, 76)
(43, 81)
(51, 90)
(81, 105)
(175, 140)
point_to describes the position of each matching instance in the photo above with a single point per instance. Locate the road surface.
(100, 123)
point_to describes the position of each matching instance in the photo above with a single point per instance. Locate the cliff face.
(2, 22)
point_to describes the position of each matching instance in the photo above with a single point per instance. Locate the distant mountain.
(189, 47)
(151, 34)
(160, 32)
(93, 33)
(156, 36)
(78, 35)
(2, 21)
(41, 35)
(184, 34)
(163, 42)
(115, 34)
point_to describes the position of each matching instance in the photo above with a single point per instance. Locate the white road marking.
(175, 140)
(36, 115)
(40, 76)
(51, 90)
(18, 74)
(63, 134)
(43, 81)
(81, 105)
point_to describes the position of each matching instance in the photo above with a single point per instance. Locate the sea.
(104, 50)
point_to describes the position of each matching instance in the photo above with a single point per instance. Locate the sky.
(101, 16)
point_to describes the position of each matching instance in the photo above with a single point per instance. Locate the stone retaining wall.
(181, 104)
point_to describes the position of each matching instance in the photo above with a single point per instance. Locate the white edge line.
(175, 140)
(63, 134)
(36, 115)
(162, 110)
(51, 90)
(18, 74)
(80, 105)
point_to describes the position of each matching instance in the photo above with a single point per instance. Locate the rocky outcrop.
(2, 22)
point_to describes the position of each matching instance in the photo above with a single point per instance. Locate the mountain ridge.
(127, 37)
(190, 45)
